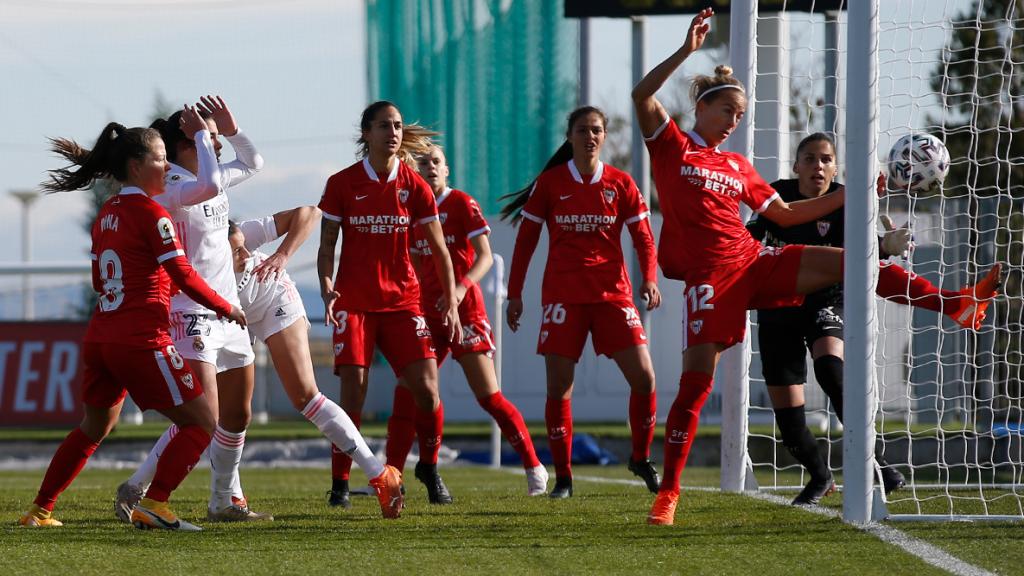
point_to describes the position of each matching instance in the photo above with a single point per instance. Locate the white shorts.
(206, 338)
(277, 319)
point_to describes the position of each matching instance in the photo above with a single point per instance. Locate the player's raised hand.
(191, 122)
(896, 241)
(651, 295)
(513, 312)
(220, 113)
(698, 31)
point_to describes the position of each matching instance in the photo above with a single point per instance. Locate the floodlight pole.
(27, 198)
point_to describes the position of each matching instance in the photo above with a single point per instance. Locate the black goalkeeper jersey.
(825, 231)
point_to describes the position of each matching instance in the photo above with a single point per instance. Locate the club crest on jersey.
(187, 381)
(696, 325)
(732, 164)
(609, 195)
(197, 344)
(403, 195)
(823, 226)
(166, 230)
(442, 216)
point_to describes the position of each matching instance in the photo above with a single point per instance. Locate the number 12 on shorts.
(699, 296)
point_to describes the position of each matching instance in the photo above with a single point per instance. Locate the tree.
(982, 89)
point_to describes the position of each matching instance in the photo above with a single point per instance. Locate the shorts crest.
(696, 325)
(823, 226)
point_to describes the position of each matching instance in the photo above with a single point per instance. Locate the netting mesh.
(950, 400)
(496, 77)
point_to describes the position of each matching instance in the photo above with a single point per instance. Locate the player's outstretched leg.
(966, 307)
(64, 467)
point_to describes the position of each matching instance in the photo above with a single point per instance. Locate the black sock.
(797, 438)
(338, 485)
(829, 372)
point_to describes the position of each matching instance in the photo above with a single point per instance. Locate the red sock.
(681, 427)
(902, 287)
(429, 430)
(512, 426)
(65, 465)
(401, 428)
(642, 416)
(341, 463)
(558, 417)
(180, 455)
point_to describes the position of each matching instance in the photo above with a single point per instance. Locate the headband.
(717, 88)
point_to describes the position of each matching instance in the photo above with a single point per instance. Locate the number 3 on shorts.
(342, 317)
(553, 313)
(698, 297)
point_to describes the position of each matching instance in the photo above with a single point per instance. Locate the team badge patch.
(338, 348)
(197, 344)
(187, 381)
(166, 230)
(442, 216)
(823, 226)
(696, 325)
(403, 195)
(732, 164)
(543, 336)
(609, 195)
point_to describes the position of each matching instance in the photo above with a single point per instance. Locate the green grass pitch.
(493, 528)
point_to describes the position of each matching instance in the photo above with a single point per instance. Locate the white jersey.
(198, 205)
(258, 299)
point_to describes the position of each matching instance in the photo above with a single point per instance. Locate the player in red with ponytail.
(727, 272)
(586, 204)
(128, 347)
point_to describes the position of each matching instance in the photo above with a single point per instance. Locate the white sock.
(143, 476)
(225, 454)
(335, 424)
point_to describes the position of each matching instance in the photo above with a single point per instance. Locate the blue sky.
(293, 72)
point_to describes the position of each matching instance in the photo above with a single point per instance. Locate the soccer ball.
(918, 163)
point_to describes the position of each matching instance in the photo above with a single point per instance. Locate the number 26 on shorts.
(553, 314)
(698, 297)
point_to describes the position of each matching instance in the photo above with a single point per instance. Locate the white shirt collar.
(594, 179)
(373, 175)
(131, 190)
(700, 141)
(443, 196)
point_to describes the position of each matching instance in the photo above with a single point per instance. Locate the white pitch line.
(926, 552)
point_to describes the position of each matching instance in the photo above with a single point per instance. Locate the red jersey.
(584, 221)
(700, 189)
(461, 221)
(375, 273)
(131, 238)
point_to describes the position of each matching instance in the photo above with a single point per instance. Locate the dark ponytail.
(172, 134)
(107, 159)
(512, 210)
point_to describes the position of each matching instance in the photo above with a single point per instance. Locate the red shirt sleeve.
(330, 202)
(637, 218)
(474, 219)
(186, 278)
(536, 207)
(526, 244)
(667, 139)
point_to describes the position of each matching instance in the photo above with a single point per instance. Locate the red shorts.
(157, 378)
(403, 337)
(614, 326)
(476, 337)
(716, 300)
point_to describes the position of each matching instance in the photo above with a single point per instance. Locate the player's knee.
(643, 382)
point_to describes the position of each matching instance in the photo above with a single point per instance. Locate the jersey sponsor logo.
(632, 316)
(609, 195)
(712, 180)
(828, 316)
(696, 326)
(470, 337)
(380, 224)
(187, 381)
(362, 197)
(280, 312)
(109, 222)
(164, 227)
(585, 222)
(823, 226)
(403, 195)
(422, 331)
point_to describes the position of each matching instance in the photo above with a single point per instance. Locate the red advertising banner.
(41, 369)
